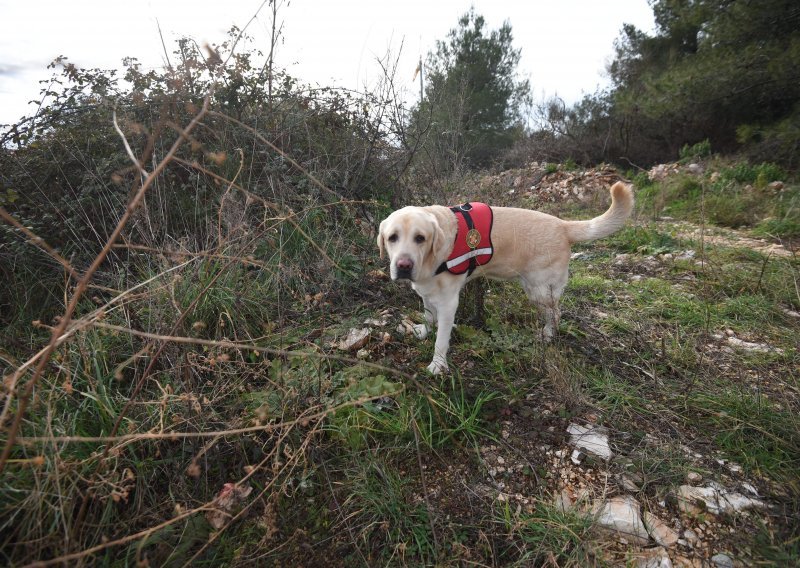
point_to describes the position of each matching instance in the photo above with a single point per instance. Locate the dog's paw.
(420, 331)
(437, 367)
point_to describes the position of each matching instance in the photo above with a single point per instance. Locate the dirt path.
(732, 238)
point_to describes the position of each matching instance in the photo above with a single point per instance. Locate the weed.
(379, 507)
(553, 536)
(759, 174)
(751, 431)
(695, 152)
(644, 240)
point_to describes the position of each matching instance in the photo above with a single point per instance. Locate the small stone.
(356, 339)
(683, 562)
(750, 488)
(713, 498)
(721, 561)
(577, 457)
(659, 530)
(691, 537)
(693, 477)
(564, 502)
(592, 439)
(628, 483)
(654, 558)
(501, 460)
(621, 515)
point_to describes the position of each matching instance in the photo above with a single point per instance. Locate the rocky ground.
(573, 456)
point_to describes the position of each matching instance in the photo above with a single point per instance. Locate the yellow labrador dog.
(530, 246)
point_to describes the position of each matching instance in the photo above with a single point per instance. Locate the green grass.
(355, 464)
(551, 535)
(751, 430)
(379, 507)
(734, 195)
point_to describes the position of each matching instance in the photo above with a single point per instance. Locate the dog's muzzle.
(404, 267)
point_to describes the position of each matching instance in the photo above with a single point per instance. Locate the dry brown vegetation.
(184, 260)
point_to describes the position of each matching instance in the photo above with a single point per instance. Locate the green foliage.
(356, 462)
(65, 175)
(645, 240)
(751, 431)
(730, 194)
(559, 536)
(474, 99)
(696, 151)
(381, 503)
(715, 74)
(760, 174)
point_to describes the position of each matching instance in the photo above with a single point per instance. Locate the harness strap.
(464, 210)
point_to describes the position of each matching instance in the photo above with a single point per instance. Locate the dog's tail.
(607, 223)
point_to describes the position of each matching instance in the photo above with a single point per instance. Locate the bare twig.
(285, 156)
(131, 155)
(39, 242)
(248, 347)
(148, 436)
(84, 281)
(75, 327)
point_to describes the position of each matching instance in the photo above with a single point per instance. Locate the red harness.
(473, 244)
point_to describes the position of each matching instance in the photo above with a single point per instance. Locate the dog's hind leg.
(545, 293)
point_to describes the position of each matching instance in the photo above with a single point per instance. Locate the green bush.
(695, 152)
(761, 174)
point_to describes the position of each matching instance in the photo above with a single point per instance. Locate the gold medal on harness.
(473, 238)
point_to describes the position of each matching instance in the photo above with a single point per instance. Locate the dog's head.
(413, 240)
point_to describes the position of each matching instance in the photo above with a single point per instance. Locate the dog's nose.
(405, 264)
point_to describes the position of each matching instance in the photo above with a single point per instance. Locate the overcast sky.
(565, 44)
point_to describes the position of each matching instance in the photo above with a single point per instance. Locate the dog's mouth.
(403, 274)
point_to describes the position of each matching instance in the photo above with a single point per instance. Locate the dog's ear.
(381, 242)
(440, 248)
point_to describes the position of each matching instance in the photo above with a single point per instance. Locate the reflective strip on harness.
(474, 230)
(464, 257)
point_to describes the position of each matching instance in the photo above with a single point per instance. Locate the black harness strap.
(462, 210)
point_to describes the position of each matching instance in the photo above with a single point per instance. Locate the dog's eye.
(419, 239)
(393, 238)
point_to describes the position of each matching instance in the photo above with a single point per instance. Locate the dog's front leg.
(421, 330)
(445, 310)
